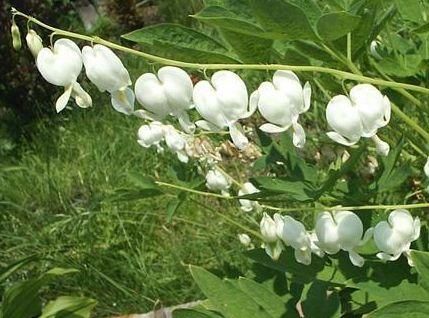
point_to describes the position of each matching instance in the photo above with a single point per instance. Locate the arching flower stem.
(264, 67)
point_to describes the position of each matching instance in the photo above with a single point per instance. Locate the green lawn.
(59, 200)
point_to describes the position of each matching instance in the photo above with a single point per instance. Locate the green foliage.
(69, 307)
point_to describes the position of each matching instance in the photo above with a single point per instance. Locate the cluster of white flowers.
(221, 101)
(340, 230)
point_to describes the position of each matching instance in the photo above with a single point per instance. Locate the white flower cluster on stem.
(340, 230)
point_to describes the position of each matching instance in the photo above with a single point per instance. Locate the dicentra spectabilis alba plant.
(281, 102)
(360, 115)
(61, 66)
(217, 181)
(269, 232)
(341, 230)
(176, 142)
(248, 205)
(222, 102)
(106, 71)
(394, 236)
(169, 92)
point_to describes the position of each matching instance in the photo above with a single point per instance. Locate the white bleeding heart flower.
(245, 239)
(293, 233)
(106, 71)
(151, 135)
(341, 230)
(34, 42)
(394, 236)
(248, 205)
(222, 102)
(272, 244)
(361, 115)
(169, 92)
(217, 181)
(281, 102)
(61, 66)
(176, 142)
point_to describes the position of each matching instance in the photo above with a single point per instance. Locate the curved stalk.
(264, 67)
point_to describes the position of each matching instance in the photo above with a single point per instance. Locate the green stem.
(207, 194)
(161, 60)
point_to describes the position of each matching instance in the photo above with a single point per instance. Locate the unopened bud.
(34, 42)
(16, 36)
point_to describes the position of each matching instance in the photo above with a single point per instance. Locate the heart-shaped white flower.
(104, 68)
(394, 237)
(281, 102)
(222, 102)
(342, 230)
(293, 233)
(217, 181)
(269, 231)
(151, 135)
(361, 115)
(61, 66)
(167, 93)
(248, 205)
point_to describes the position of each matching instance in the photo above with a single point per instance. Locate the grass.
(57, 200)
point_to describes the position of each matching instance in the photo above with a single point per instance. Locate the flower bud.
(34, 42)
(281, 102)
(222, 102)
(245, 239)
(426, 168)
(16, 36)
(248, 205)
(268, 229)
(394, 237)
(151, 135)
(217, 181)
(341, 231)
(167, 93)
(176, 143)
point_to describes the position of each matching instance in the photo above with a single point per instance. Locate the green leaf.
(22, 299)
(174, 205)
(310, 8)
(69, 307)
(410, 10)
(297, 190)
(225, 19)
(402, 309)
(250, 49)
(12, 268)
(182, 43)
(282, 20)
(421, 262)
(332, 26)
(226, 298)
(143, 187)
(320, 301)
(272, 303)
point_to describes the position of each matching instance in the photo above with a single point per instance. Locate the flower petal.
(150, 94)
(64, 98)
(307, 96)
(356, 259)
(272, 129)
(298, 135)
(123, 101)
(340, 139)
(82, 98)
(237, 135)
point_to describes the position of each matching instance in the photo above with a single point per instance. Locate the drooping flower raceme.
(104, 68)
(222, 102)
(293, 233)
(61, 66)
(217, 181)
(248, 205)
(394, 236)
(342, 230)
(272, 244)
(361, 115)
(151, 135)
(167, 93)
(281, 102)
